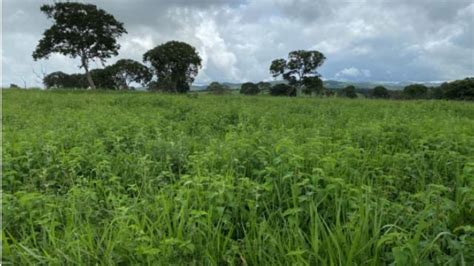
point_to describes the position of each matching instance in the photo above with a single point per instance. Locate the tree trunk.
(88, 74)
(89, 79)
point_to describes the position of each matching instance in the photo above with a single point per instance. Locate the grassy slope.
(94, 177)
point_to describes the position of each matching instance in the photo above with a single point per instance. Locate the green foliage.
(175, 64)
(80, 30)
(126, 71)
(278, 67)
(415, 91)
(283, 90)
(459, 89)
(312, 85)
(264, 87)
(380, 92)
(58, 80)
(104, 78)
(61, 80)
(119, 178)
(349, 92)
(300, 69)
(217, 88)
(249, 88)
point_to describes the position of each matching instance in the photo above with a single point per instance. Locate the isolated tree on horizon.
(380, 92)
(175, 64)
(80, 31)
(218, 88)
(300, 69)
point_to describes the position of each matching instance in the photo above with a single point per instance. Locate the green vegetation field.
(140, 178)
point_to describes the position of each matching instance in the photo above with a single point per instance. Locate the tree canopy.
(415, 91)
(126, 71)
(264, 87)
(80, 30)
(380, 92)
(312, 85)
(459, 89)
(57, 79)
(218, 88)
(283, 90)
(174, 63)
(300, 70)
(349, 92)
(249, 88)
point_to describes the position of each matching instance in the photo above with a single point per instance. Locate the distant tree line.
(454, 90)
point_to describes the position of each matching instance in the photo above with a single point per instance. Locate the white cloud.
(215, 52)
(353, 72)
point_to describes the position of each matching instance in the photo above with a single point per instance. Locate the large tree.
(176, 64)
(415, 91)
(349, 92)
(80, 31)
(126, 71)
(300, 70)
(249, 88)
(312, 85)
(380, 92)
(458, 89)
(217, 88)
(56, 80)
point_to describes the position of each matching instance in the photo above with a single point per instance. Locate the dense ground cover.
(108, 177)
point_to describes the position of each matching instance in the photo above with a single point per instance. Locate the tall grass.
(133, 178)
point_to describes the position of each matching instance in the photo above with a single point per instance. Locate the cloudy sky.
(363, 40)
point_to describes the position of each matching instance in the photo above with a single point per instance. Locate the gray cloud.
(363, 40)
